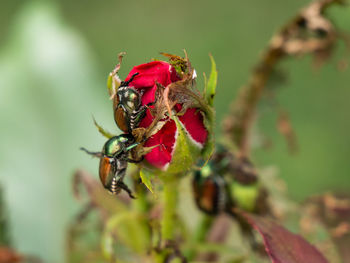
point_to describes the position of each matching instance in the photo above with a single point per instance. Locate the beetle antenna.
(95, 154)
(126, 83)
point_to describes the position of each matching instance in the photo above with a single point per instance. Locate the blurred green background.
(54, 60)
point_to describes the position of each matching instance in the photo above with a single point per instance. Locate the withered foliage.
(310, 32)
(333, 212)
(284, 126)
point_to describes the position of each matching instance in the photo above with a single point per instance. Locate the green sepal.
(146, 178)
(110, 84)
(102, 130)
(209, 117)
(186, 151)
(210, 88)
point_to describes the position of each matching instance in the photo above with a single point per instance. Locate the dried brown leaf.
(310, 32)
(285, 127)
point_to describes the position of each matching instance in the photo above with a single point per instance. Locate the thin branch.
(310, 32)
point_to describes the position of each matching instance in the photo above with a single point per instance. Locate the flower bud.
(176, 124)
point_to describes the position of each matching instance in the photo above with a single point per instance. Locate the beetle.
(210, 187)
(210, 190)
(128, 111)
(114, 161)
(213, 182)
(213, 191)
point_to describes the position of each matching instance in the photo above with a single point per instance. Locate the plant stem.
(170, 198)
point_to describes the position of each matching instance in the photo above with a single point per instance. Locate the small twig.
(294, 39)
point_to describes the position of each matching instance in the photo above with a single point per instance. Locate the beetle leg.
(123, 186)
(126, 83)
(132, 146)
(149, 104)
(95, 154)
(145, 107)
(134, 161)
(136, 117)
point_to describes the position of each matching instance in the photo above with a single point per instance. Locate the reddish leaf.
(281, 245)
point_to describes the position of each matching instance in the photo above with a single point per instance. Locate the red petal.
(148, 95)
(147, 120)
(161, 156)
(173, 75)
(194, 125)
(150, 73)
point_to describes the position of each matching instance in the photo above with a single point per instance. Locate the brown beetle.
(114, 161)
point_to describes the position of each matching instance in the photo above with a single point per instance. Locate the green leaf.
(211, 88)
(146, 177)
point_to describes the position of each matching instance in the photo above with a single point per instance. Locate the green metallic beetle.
(128, 111)
(114, 161)
(214, 182)
(210, 190)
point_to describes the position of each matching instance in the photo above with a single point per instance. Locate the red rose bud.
(178, 143)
